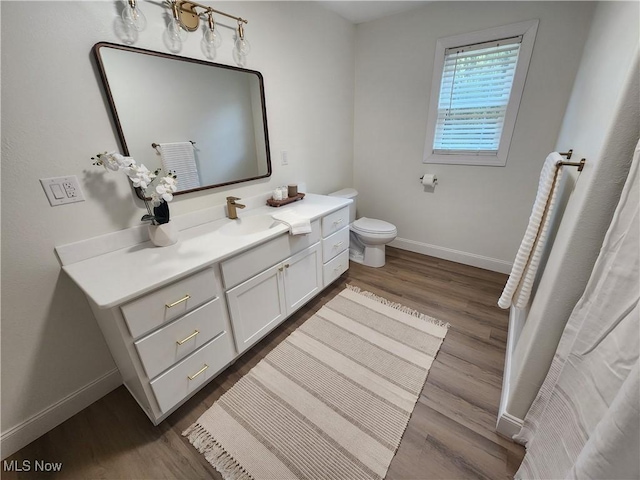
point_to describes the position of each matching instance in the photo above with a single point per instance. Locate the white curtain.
(585, 420)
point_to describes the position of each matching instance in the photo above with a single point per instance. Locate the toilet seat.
(372, 226)
(368, 236)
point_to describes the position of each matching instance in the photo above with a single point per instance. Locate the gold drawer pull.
(338, 222)
(338, 245)
(180, 342)
(337, 268)
(178, 302)
(191, 377)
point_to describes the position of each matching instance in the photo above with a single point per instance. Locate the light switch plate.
(61, 190)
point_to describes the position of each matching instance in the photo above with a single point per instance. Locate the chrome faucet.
(231, 207)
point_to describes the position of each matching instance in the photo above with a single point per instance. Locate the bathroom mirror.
(159, 98)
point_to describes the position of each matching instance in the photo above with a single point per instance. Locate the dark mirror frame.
(114, 112)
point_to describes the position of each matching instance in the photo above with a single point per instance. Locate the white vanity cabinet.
(257, 306)
(175, 317)
(335, 245)
(168, 343)
(268, 297)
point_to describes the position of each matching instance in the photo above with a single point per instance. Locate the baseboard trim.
(26, 432)
(508, 425)
(465, 258)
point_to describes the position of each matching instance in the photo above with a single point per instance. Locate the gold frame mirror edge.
(116, 119)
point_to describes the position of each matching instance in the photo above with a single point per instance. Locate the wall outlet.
(61, 190)
(70, 189)
(284, 157)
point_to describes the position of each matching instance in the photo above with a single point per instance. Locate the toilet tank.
(351, 193)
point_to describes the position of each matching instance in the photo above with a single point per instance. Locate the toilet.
(368, 236)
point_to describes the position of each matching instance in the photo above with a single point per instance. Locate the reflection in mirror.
(208, 120)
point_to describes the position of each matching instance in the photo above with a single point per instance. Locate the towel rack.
(569, 154)
(156, 145)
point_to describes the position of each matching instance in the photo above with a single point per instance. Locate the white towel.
(298, 225)
(518, 288)
(179, 157)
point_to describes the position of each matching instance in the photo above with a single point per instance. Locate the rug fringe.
(215, 454)
(398, 306)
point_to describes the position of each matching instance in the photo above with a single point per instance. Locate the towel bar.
(156, 145)
(579, 164)
(569, 154)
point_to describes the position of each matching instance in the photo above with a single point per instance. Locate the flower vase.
(163, 235)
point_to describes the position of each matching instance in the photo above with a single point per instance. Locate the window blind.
(474, 94)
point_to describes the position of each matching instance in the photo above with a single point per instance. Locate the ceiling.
(365, 11)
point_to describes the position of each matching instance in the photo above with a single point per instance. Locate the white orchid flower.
(170, 182)
(115, 161)
(140, 175)
(166, 196)
(122, 161)
(108, 161)
(166, 188)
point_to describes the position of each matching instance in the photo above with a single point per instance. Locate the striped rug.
(331, 401)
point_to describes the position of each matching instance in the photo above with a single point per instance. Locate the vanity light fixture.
(211, 40)
(174, 35)
(132, 16)
(242, 47)
(187, 14)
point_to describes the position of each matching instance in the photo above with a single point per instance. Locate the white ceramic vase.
(163, 235)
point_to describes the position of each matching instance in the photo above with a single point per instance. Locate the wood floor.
(451, 432)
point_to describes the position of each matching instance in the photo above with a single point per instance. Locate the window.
(477, 85)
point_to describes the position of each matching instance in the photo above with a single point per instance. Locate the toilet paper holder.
(435, 179)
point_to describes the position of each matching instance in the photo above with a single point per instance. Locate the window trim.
(528, 31)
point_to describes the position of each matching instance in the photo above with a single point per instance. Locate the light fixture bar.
(186, 18)
(206, 10)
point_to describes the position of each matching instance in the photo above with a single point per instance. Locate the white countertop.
(116, 277)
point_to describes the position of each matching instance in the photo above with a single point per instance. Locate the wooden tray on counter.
(279, 203)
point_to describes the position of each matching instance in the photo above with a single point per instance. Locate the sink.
(248, 225)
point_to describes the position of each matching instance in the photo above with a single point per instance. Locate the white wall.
(476, 215)
(602, 124)
(54, 118)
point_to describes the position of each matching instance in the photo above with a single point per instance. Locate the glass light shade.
(241, 60)
(133, 16)
(212, 37)
(210, 42)
(174, 36)
(242, 46)
(125, 31)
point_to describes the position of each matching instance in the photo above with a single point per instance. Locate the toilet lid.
(371, 225)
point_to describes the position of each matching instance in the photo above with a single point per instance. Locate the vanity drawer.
(152, 310)
(164, 347)
(194, 371)
(335, 244)
(335, 267)
(248, 264)
(335, 221)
